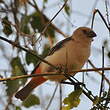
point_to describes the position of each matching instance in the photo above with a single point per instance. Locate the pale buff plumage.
(71, 53)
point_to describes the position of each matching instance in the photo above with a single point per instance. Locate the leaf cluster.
(19, 27)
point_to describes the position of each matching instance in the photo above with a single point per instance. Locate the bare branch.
(45, 17)
(52, 19)
(24, 49)
(52, 74)
(97, 11)
(102, 80)
(52, 97)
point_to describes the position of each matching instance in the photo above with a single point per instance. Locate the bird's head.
(84, 33)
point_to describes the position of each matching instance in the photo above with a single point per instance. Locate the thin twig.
(45, 17)
(97, 11)
(107, 12)
(60, 91)
(52, 19)
(9, 102)
(52, 97)
(69, 83)
(102, 80)
(24, 49)
(52, 73)
(93, 19)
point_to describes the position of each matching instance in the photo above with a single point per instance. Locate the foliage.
(6, 26)
(101, 102)
(25, 24)
(31, 59)
(17, 69)
(31, 101)
(18, 108)
(22, 21)
(72, 100)
(67, 10)
(23, 27)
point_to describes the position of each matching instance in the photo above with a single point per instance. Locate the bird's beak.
(92, 34)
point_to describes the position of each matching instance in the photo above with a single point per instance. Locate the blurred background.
(23, 21)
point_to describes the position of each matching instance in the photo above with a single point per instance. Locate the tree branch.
(24, 49)
(52, 19)
(52, 74)
(94, 13)
(48, 20)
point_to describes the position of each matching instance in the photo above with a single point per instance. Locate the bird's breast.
(69, 57)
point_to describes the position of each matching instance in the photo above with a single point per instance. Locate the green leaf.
(76, 93)
(45, 1)
(12, 86)
(73, 99)
(31, 101)
(51, 32)
(25, 29)
(45, 50)
(36, 22)
(17, 66)
(39, 21)
(67, 10)
(24, 25)
(6, 26)
(66, 100)
(17, 69)
(65, 108)
(75, 103)
(18, 108)
(31, 59)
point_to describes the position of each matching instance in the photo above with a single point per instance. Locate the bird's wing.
(59, 45)
(54, 49)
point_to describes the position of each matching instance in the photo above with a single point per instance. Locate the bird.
(70, 54)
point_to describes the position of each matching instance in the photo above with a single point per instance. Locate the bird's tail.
(25, 91)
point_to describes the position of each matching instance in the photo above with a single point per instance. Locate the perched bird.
(70, 53)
